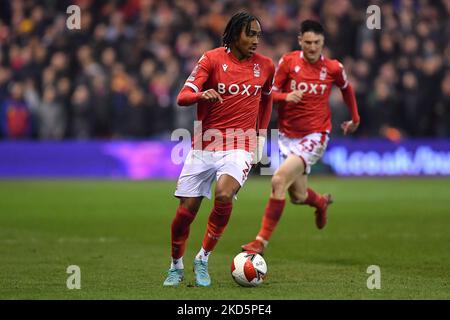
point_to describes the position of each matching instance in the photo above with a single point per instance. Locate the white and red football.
(248, 269)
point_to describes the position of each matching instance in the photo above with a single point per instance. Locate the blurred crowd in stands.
(119, 75)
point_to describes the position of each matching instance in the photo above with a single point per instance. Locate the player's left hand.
(349, 126)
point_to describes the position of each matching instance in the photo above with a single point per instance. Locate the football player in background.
(232, 86)
(303, 83)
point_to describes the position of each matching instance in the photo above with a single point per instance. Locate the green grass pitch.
(118, 233)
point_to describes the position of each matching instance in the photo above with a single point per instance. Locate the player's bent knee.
(278, 182)
(191, 204)
(224, 196)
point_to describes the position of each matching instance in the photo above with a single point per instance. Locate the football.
(248, 269)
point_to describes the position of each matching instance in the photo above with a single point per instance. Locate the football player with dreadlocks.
(231, 86)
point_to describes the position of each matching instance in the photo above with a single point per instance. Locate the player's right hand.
(211, 95)
(294, 96)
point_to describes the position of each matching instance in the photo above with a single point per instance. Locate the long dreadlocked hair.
(235, 25)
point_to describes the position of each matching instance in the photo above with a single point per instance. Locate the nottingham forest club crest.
(323, 73)
(256, 70)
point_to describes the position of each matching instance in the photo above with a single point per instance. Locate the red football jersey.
(312, 113)
(240, 84)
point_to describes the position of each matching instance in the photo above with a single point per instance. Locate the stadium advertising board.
(154, 159)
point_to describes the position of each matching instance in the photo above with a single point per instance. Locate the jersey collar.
(301, 56)
(233, 57)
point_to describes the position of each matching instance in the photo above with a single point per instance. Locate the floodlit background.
(117, 78)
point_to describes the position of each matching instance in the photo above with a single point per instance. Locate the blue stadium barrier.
(153, 159)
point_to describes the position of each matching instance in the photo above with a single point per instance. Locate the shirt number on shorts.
(245, 171)
(308, 145)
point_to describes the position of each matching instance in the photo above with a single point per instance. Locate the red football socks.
(217, 221)
(180, 230)
(272, 215)
(314, 199)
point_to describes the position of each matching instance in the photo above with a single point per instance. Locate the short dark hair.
(311, 25)
(235, 25)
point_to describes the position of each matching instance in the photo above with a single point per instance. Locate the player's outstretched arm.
(293, 96)
(350, 100)
(188, 97)
(279, 96)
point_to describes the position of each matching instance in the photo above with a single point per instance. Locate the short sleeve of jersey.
(281, 73)
(339, 75)
(200, 74)
(267, 88)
